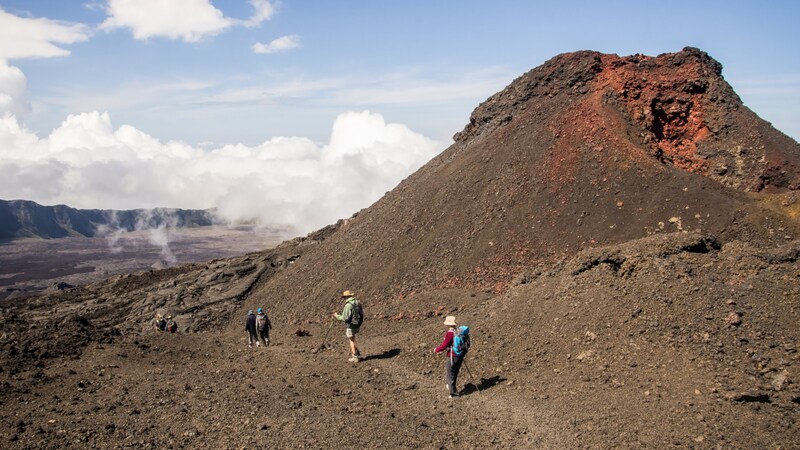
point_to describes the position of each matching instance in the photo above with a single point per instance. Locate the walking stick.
(469, 372)
(322, 346)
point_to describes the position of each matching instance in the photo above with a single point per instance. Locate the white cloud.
(13, 87)
(281, 44)
(87, 163)
(22, 37)
(190, 20)
(262, 10)
(14, 137)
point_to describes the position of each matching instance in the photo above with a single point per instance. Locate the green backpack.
(356, 317)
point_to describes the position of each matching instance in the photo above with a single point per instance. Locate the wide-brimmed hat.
(450, 321)
(348, 294)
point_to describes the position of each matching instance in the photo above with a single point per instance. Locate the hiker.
(172, 326)
(160, 324)
(262, 328)
(250, 327)
(452, 363)
(353, 316)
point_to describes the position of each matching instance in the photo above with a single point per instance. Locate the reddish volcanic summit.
(676, 107)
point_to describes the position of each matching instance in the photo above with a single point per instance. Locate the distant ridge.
(27, 219)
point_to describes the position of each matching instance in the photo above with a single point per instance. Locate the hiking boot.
(353, 359)
(455, 395)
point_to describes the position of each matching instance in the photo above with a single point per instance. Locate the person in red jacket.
(452, 363)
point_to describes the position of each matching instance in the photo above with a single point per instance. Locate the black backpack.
(356, 314)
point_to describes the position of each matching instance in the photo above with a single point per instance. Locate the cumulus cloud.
(13, 87)
(262, 10)
(22, 37)
(189, 20)
(286, 181)
(281, 44)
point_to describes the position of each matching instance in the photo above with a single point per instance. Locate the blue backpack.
(461, 341)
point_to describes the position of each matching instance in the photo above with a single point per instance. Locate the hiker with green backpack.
(353, 316)
(456, 342)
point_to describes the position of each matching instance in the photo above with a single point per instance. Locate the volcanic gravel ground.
(209, 390)
(669, 340)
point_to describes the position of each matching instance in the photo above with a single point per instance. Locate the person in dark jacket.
(452, 363)
(250, 327)
(160, 324)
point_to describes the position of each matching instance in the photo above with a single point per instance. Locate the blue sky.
(195, 79)
(354, 55)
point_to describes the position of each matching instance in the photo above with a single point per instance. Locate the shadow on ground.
(385, 355)
(486, 383)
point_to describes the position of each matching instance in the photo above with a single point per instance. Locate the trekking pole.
(471, 378)
(321, 346)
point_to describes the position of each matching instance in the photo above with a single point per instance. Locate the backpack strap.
(452, 344)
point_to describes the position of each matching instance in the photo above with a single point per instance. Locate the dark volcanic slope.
(586, 150)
